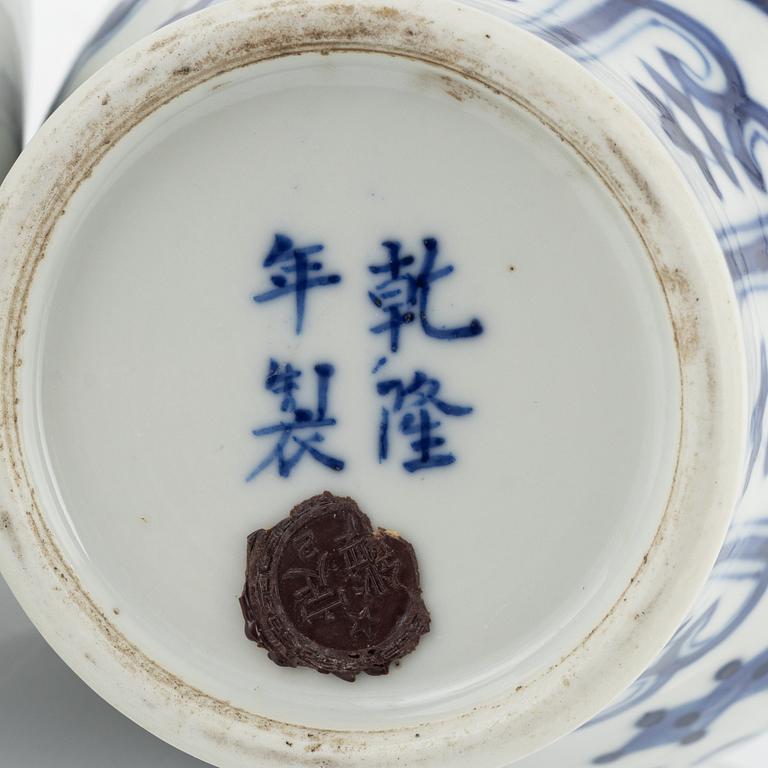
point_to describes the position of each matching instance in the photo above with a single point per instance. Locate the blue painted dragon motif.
(685, 93)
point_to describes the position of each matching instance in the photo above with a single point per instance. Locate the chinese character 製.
(416, 403)
(403, 294)
(300, 431)
(300, 274)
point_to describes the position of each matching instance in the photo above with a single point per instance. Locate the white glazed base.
(152, 359)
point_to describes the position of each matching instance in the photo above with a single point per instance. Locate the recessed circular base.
(400, 274)
(154, 362)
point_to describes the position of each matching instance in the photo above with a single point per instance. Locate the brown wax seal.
(324, 590)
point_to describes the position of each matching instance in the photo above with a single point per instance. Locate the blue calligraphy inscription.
(403, 294)
(416, 403)
(300, 432)
(299, 274)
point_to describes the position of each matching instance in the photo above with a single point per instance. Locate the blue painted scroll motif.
(742, 572)
(696, 97)
(687, 75)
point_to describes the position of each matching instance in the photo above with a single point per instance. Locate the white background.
(47, 716)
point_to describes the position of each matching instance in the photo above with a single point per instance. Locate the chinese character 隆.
(416, 403)
(300, 273)
(300, 431)
(403, 294)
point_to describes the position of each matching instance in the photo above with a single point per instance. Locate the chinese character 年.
(300, 274)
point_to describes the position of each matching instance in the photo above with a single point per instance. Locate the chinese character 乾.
(403, 294)
(300, 274)
(300, 432)
(416, 403)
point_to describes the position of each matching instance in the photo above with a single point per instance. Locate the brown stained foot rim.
(326, 591)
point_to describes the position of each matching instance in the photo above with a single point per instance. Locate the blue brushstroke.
(201, 5)
(300, 274)
(679, 85)
(403, 294)
(415, 403)
(302, 432)
(761, 5)
(690, 722)
(693, 640)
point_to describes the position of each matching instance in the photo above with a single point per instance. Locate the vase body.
(695, 73)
